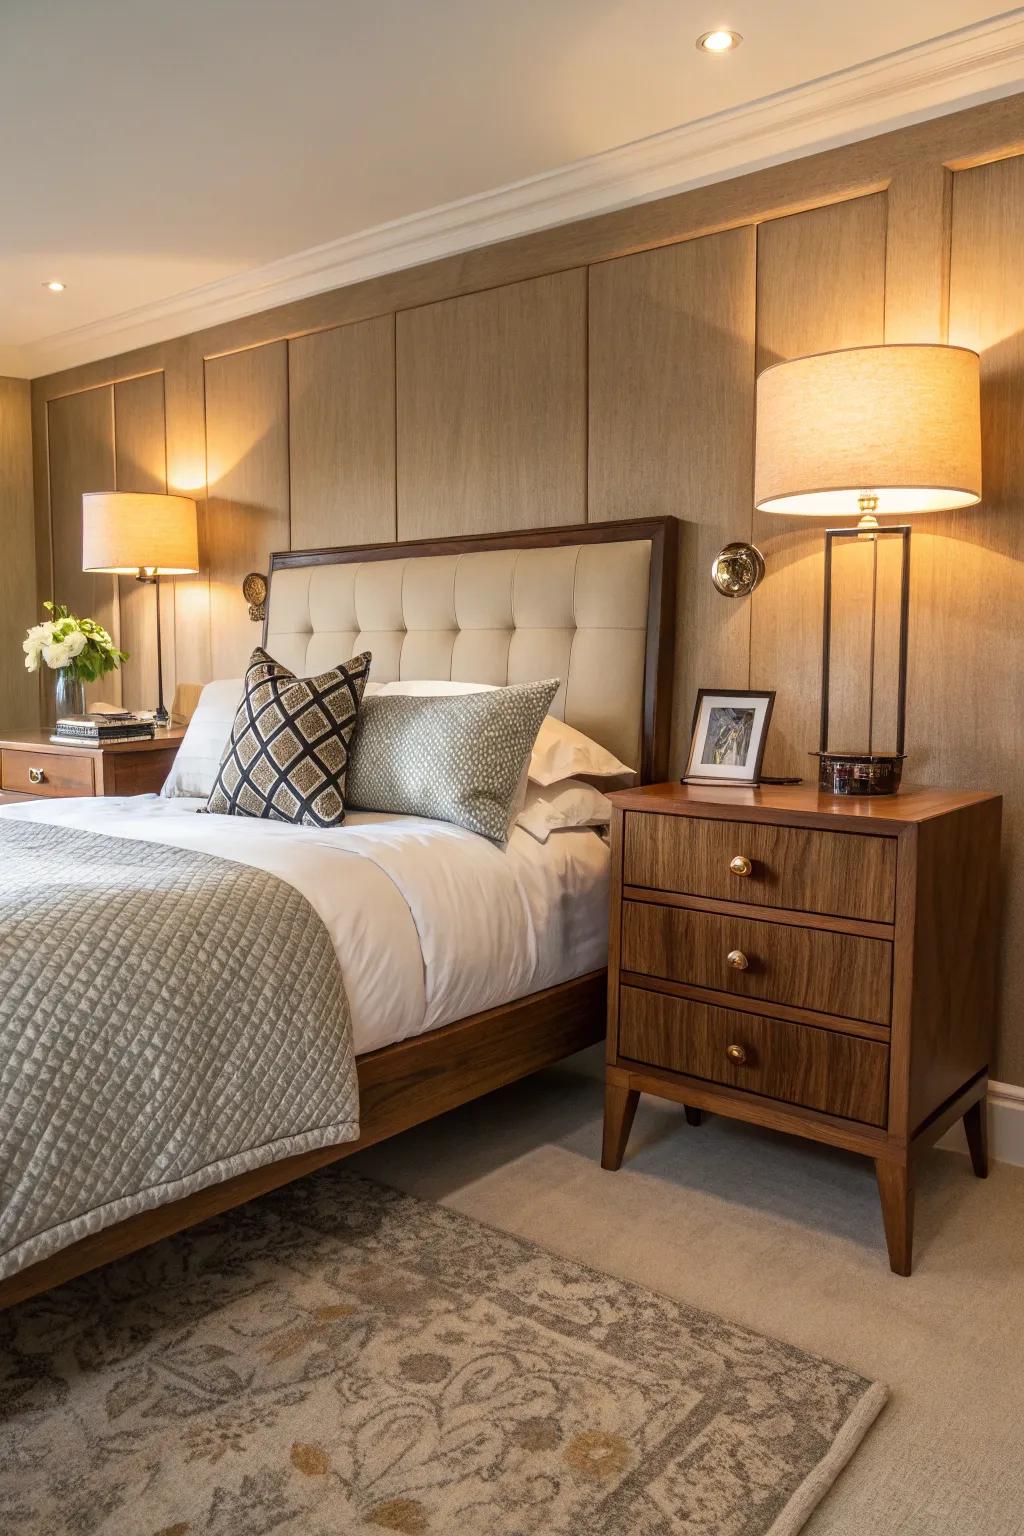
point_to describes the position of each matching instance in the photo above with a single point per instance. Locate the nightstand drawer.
(839, 874)
(805, 967)
(46, 773)
(795, 1063)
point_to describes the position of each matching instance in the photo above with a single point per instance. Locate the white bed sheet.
(430, 922)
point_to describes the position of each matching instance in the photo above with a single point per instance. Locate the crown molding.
(959, 69)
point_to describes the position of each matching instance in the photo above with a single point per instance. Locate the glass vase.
(69, 693)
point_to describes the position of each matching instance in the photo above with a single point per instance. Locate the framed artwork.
(729, 732)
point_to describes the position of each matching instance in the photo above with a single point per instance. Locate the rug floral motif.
(339, 1357)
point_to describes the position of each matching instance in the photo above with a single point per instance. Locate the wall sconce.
(254, 590)
(736, 570)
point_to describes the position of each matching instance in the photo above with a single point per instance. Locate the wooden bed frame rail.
(404, 1084)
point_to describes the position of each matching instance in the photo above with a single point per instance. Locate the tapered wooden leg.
(619, 1108)
(976, 1128)
(896, 1188)
(693, 1116)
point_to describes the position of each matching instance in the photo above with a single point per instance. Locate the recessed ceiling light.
(719, 41)
(55, 286)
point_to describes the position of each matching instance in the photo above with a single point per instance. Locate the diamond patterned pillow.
(287, 756)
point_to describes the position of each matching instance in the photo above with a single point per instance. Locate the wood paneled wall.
(18, 689)
(606, 369)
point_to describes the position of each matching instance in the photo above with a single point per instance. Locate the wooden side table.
(32, 767)
(818, 965)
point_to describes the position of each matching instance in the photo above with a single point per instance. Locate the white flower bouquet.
(81, 646)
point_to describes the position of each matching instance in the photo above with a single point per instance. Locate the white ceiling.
(152, 146)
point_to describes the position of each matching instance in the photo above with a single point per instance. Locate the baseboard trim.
(1005, 1126)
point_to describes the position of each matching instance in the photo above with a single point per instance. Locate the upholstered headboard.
(592, 605)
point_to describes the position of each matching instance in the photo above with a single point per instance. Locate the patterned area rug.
(342, 1358)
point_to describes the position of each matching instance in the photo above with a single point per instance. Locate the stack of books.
(102, 728)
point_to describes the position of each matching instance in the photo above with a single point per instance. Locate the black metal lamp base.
(859, 773)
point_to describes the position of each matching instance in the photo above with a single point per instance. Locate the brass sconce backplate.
(254, 590)
(737, 569)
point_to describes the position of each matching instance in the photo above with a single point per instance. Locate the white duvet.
(430, 922)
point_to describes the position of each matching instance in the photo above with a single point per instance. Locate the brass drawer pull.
(740, 865)
(737, 959)
(36, 776)
(736, 1054)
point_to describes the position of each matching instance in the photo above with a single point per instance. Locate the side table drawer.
(45, 773)
(795, 1063)
(813, 968)
(839, 874)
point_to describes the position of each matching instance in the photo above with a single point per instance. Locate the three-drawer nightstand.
(32, 767)
(818, 965)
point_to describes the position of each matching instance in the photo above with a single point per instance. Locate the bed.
(466, 965)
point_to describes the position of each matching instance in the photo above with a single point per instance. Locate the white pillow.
(562, 807)
(195, 767)
(560, 751)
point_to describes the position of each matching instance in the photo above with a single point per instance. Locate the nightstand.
(33, 767)
(817, 965)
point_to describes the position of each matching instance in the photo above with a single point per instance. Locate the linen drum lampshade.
(124, 532)
(898, 423)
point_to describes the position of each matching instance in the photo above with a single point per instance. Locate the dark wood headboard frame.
(659, 660)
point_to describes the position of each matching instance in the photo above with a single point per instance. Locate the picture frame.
(727, 740)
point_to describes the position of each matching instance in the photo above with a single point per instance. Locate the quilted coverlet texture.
(167, 1020)
(338, 1358)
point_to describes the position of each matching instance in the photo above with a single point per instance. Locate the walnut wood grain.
(896, 1192)
(886, 1093)
(955, 949)
(794, 1063)
(754, 1108)
(815, 871)
(836, 1021)
(122, 768)
(399, 1086)
(45, 774)
(806, 967)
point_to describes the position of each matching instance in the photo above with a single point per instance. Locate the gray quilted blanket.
(167, 1020)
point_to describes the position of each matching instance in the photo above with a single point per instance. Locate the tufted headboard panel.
(591, 605)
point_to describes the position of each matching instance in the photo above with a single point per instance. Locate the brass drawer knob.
(740, 865)
(737, 959)
(736, 1054)
(36, 776)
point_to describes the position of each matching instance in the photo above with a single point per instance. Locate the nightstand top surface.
(18, 740)
(802, 804)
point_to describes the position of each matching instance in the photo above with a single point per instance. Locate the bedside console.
(817, 965)
(32, 767)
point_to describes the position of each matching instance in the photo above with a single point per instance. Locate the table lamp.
(145, 535)
(863, 433)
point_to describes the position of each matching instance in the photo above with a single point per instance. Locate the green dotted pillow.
(457, 758)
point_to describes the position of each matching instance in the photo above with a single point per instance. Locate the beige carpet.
(341, 1357)
(786, 1238)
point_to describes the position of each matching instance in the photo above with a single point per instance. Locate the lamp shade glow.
(900, 423)
(124, 532)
